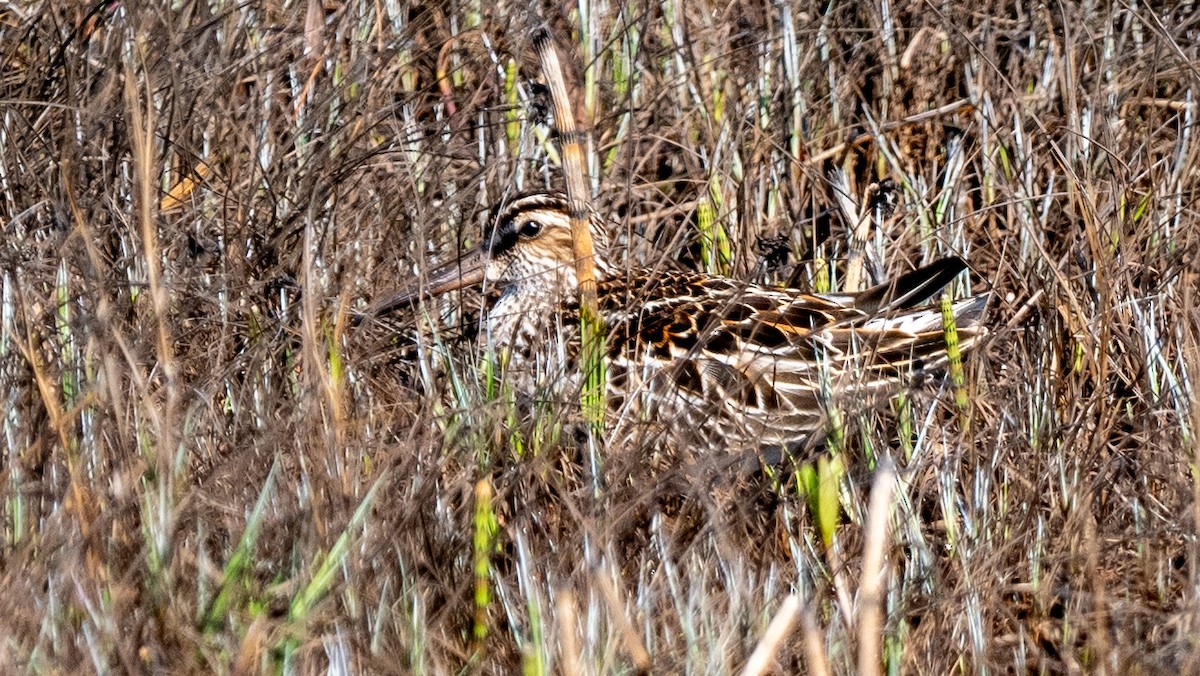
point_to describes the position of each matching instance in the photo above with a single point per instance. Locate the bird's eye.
(529, 229)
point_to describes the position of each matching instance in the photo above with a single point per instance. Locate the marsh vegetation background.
(207, 469)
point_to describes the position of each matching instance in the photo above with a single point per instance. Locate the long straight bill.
(467, 271)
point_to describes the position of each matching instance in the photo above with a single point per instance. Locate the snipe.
(709, 361)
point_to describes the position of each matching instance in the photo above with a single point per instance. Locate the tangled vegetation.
(208, 468)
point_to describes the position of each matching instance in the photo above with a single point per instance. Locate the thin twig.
(947, 109)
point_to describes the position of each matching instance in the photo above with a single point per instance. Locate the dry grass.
(206, 469)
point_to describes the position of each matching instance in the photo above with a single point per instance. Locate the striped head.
(530, 249)
(528, 252)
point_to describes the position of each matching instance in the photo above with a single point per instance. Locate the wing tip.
(911, 289)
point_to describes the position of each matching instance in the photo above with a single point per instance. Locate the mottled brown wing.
(765, 361)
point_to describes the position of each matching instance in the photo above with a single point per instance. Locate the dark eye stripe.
(513, 222)
(502, 239)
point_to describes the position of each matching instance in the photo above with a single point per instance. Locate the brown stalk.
(568, 644)
(141, 135)
(590, 324)
(572, 157)
(633, 643)
(778, 630)
(872, 586)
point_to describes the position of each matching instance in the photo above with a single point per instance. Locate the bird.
(699, 360)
